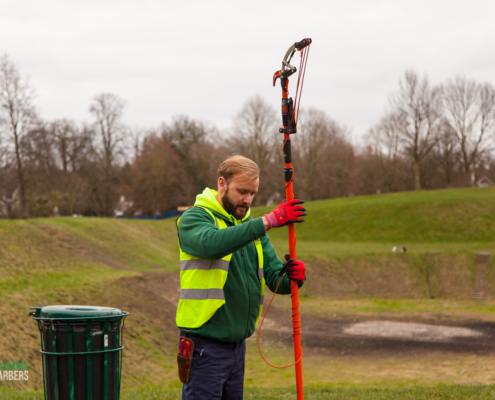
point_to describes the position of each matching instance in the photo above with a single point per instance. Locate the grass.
(91, 261)
(351, 271)
(332, 249)
(44, 253)
(407, 309)
(319, 392)
(437, 216)
(384, 370)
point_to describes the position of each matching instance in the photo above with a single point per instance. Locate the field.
(311, 393)
(354, 280)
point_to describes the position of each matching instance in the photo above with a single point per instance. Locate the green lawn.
(437, 216)
(332, 249)
(410, 309)
(440, 392)
(351, 271)
(329, 392)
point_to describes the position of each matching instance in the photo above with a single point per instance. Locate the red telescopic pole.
(296, 320)
(290, 111)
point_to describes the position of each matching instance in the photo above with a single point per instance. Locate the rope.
(295, 331)
(296, 321)
(300, 83)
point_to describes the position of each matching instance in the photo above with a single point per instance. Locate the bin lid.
(77, 311)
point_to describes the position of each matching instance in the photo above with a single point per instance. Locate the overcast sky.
(205, 58)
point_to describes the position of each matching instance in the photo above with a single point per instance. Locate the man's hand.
(297, 272)
(285, 213)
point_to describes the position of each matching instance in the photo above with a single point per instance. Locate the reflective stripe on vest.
(202, 283)
(188, 265)
(261, 276)
(202, 294)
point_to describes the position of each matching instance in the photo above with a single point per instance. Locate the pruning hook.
(288, 69)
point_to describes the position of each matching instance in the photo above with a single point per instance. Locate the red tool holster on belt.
(184, 358)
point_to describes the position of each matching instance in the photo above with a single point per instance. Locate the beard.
(231, 207)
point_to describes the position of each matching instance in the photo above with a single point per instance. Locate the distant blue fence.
(168, 214)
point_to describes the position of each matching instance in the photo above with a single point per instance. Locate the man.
(226, 259)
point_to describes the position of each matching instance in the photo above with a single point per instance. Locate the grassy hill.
(132, 265)
(455, 215)
(446, 221)
(90, 261)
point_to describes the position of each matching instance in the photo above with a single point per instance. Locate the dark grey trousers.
(217, 372)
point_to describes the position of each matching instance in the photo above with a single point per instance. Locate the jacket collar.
(207, 199)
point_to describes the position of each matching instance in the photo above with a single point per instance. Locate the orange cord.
(296, 330)
(294, 119)
(300, 80)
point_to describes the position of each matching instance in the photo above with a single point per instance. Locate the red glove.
(297, 272)
(286, 213)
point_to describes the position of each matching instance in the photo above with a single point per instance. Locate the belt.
(201, 340)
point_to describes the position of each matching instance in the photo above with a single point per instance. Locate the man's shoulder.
(200, 214)
(197, 210)
(195, 214)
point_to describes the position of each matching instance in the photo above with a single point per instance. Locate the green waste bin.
(81, 351)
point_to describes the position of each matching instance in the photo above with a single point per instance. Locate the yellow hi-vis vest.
(202, 282)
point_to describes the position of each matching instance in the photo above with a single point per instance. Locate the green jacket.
(199, 237)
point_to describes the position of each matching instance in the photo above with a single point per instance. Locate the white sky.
(204, 58)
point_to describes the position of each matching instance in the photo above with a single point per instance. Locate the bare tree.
(4, 159)
(135, 136)
(64, 132)
(315, 135)
(17, 114)
(204, 160)
(417, 106)
(195, 142)
(385, 142)
(312, 139)
(158, 177)
(107, 109)
(470, 113)
(80, 149)
(37, 145)
(324, 156)
(185, 132)
(447, 152)
(253, 135)
(6, 203)
(487, 106)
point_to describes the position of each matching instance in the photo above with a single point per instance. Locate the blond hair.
(238, 165)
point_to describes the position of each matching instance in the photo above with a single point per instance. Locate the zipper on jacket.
(242, 251)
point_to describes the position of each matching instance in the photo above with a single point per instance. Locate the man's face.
(238, 195)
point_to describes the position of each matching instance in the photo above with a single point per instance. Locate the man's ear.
(222, 184)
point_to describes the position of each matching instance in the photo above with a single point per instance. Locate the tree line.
(430, 136)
